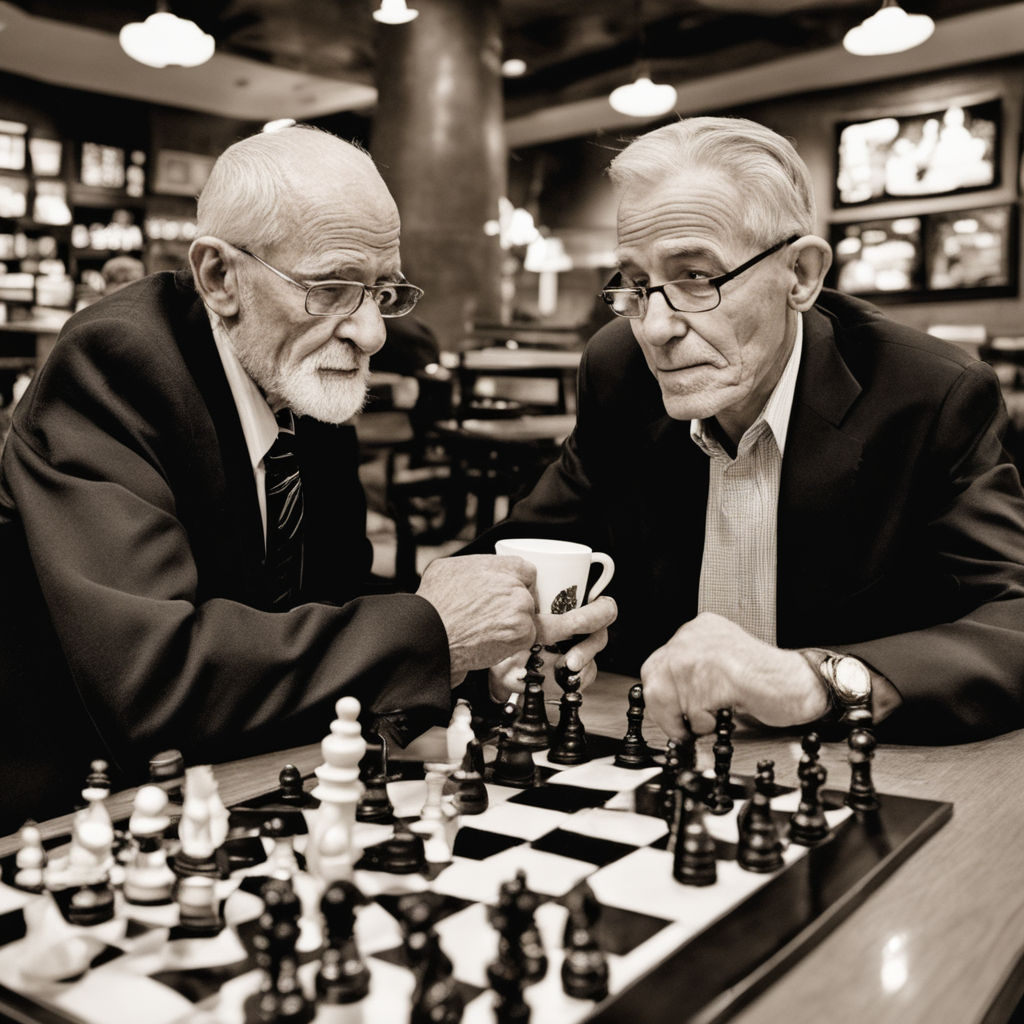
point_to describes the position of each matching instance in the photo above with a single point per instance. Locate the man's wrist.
(846, 683)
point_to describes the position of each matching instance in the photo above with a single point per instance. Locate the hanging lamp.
(394, 12)
(642, 97)
(889, 30)
(164, 39)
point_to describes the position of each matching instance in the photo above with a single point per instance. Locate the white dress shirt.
(258, 423)
(738, 571)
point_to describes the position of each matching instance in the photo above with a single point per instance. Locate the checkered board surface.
(577, 824)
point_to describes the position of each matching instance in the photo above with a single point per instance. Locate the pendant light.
(642, 97)
(164, 39)
(394, 12)
(889, 30)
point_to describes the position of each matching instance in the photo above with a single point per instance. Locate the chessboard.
(580, 852)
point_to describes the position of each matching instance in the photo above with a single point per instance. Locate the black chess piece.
(570, 743)
(585, 966)
(668, 782)
(862, 795)
(531, 727)
(291, 790)
(811, 746)
(343, 976)
(760, 848)
(764, 778)
(508, 973)
(280, 999)
(403, 852)
(634, 752)
(436, 998)
(470, 795)
(808, 825)
(694, 856)
(375, 804)
(720, 798)
(513, 765)
(524, 902)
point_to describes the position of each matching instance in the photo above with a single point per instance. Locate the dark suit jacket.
(900, 522)
(133, 615)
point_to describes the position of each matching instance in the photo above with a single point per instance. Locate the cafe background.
(918, 176)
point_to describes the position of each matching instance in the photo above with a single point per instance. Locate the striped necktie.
(284, 515)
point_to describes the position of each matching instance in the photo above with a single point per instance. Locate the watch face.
(853, 680)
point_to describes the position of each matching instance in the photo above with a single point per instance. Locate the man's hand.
(486, 603)
(590, 622)
(712, 663)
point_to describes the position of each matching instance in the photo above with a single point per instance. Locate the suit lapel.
(819, 472)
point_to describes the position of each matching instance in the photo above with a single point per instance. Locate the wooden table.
(557, 364)
(940, 942)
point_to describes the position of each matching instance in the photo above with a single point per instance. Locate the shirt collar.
(258, 423)
(776, 410)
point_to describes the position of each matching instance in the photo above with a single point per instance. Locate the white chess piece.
(52, 949)
(204, 819)
(30, 860)
(460, 732)
(147, 878)
(329, 853)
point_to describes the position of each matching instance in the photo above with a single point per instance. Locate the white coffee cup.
(563, 568)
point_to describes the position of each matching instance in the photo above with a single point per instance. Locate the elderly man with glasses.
(182, 528)
(809, 505)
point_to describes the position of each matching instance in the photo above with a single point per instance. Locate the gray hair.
(766, 169)
(255, 183)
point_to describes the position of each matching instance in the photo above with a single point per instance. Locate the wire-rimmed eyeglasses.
(343, 298)
(687, 295)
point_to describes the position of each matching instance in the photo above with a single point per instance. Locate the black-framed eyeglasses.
(343, 298)
(687, 295)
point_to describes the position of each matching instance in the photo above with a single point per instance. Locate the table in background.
(940, 942)
(559, 365)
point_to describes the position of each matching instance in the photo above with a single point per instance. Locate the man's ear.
(214, 272)
(812, 256)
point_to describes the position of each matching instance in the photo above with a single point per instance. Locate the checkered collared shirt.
(738, 571)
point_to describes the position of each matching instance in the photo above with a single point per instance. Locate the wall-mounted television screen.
(877, 257)
(968, 249)
(102, 166)
(948, 150)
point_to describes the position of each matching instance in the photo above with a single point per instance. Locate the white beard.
(327, 397)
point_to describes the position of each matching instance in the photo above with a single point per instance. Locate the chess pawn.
(291, 788)
(148, 879)
(30, 859)
(514, 765)
(198, 906)
(634, 752)
(470, 794)
(862, 795)
(338, 789)
(808, 825)
(585, 966)
(760, 848)
(532, 728)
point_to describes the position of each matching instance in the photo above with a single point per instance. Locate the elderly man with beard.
(160, 589)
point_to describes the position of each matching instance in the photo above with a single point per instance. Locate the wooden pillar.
(438, 139)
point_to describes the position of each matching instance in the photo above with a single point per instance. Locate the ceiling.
(312, 58)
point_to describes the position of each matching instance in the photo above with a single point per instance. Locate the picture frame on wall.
(951, 254)
(944, 151)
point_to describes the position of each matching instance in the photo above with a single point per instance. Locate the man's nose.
(661, 322)
(364, 328)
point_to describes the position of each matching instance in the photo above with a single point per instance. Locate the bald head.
(274, 187)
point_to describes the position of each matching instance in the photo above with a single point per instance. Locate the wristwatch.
(847, 683)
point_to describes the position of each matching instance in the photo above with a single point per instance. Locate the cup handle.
(606, 573)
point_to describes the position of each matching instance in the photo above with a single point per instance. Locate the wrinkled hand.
(712, 663)
(486, 603)
(591, 622)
